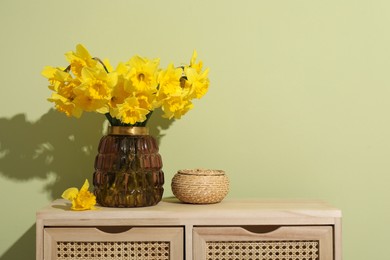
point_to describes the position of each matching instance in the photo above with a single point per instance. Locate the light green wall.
(298, 105)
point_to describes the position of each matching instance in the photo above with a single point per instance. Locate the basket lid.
(201, 172)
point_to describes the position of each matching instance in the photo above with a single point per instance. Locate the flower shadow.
(56, 146)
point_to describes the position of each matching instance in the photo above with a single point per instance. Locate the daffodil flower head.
(198, 81)
(169, 81)
(81, 199)
(80, 59)
(65, 105)
(176, 107)
(143, 73)
(130, 111)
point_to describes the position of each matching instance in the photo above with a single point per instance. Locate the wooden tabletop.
(229, 211)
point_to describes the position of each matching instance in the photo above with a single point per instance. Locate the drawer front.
(263, 243)
(106, 243)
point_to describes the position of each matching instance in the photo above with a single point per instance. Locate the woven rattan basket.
(200, 186)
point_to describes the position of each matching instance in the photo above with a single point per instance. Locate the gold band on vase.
(128, 130)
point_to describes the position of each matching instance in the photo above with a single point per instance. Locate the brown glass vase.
(128, 169)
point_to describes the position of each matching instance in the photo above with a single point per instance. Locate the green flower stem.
(116, 122)
(101, 62)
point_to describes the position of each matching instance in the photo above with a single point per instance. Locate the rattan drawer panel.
(109, 243)
(259, 243)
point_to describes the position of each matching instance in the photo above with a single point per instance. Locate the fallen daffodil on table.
(81, 199)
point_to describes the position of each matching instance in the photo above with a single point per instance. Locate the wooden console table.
(233, 229)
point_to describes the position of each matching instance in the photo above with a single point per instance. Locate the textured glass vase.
(128, 169)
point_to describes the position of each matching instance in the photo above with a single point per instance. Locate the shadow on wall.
(58, 146)
(53, 145)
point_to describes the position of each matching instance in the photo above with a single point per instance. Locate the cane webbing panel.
(113, 250)
(262, 250)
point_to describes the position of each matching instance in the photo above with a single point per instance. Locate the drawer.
(263, 243)
(103, 243)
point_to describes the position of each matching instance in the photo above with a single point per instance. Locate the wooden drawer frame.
(157, 243)
(263, 242)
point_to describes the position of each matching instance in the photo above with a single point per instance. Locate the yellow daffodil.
(118, 94)
(96, 83)
(89, 104)
(128, 94)
(146, 99)
(176, 107)
(199, 82)
(56, 76)
(143, 73)
(169, 82)
(94, 91)
(130, 112)
(65, 105)
(81, 199)
(80, 59)
(63, 84)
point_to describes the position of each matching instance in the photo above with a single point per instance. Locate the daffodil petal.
(70, 194)
(83, 52)
(85, 186)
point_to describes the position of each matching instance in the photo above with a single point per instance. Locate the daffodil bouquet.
(128, 94)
